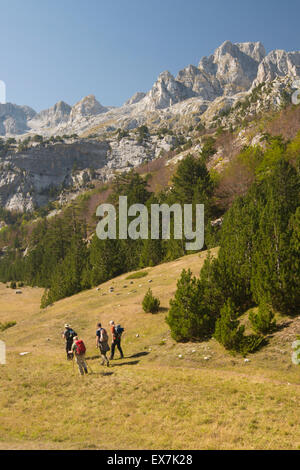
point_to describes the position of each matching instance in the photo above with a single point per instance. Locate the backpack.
(70, 334)
(104, 335)
(118, 331)
(80, 347)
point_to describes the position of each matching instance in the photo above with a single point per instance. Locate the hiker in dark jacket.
(102, 343)
(68, 336)
(116, 341)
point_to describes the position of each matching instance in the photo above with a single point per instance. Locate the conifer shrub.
(251, 343)
(230, 333)
(137, 275)
(13, 285)
(263, 322)
(189, 317)
(150, 303)
(4, 326)
(228, 330)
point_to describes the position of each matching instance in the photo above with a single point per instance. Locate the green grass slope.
(152, 399)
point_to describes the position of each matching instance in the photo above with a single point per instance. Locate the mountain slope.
(207, 399)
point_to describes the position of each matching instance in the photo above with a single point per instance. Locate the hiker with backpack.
(102, 343)
(79, 349)
(116, 332)
(68, 336)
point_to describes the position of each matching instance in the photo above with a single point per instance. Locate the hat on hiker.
(67, 326)
(75, 338)
(111, 322)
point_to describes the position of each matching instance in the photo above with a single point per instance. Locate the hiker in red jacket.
(78, 349)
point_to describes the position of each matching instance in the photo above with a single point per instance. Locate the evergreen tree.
(263, 321)
(191, 182)
(228, 331)
(272, 275)
(106, 260)
(188, 317)
(150, 303)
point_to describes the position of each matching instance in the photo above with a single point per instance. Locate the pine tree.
(228, 331)
(272, 275)
(106, 259)
(191, 182)
(263, 321)
(188, 317)
(150, 303)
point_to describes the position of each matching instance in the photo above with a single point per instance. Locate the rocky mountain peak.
(87, 106)
(13, 118)
(62, 107)
(256, 50)
(235, 66)
(54, 116)
(165, 92)
(135, 98)
(232, 69)
(278, 63)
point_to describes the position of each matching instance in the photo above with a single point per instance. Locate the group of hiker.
(75, 347)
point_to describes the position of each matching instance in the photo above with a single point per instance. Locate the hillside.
(206, 399)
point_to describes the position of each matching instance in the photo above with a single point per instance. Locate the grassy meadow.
(162, 395)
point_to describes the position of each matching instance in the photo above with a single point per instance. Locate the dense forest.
(258, 262)
(64, 260)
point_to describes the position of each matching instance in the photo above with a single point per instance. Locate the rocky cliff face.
(138, 96)
(278, 64)
(52, 117)
(230, 70)
(236, 81)
(40, 174)
(30, 179)
(14, 119)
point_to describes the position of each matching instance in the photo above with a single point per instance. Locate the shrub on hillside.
(263, 321)
(137, 275)
(228, 331)
(4, 326)
(189, 318)
(150, 303)
(251, 343)
(13, 285)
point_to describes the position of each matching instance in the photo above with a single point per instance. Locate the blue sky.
(63, 50)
